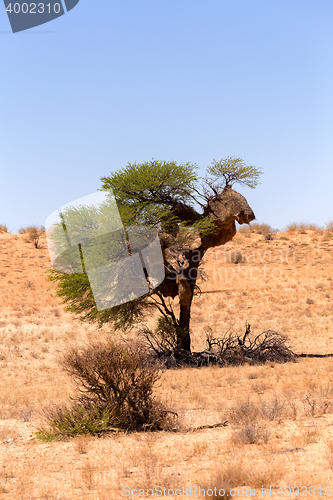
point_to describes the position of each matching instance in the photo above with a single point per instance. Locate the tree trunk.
(185, 293)
(183, 335)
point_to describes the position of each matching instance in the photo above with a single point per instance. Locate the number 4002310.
(33, 8)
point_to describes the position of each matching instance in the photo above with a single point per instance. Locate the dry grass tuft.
(301, 227)
(256, 228)
(251, 434)
(82, 444)
(28, 229)
(329, 226)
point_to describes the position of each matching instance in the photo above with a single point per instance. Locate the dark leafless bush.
(234, 349)
(230, 349)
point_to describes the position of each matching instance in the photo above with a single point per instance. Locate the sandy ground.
(280, 417)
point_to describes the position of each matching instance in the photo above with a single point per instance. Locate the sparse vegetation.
(116, 383)
(301, 227)
(230, 349)
(251, 434)
(292, 401)
(329, 226)
(27, 230)
(35, 233)
(3, 228)
(237, 257)
(257, 228)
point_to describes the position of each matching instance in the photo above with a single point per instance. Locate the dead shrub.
(244, 229)
(302, 227)
(237, 257)
(25, 230)
(272, 411)
(329, 225)
(305, 437)
(35, 233)
(231, 349)
(239, 473)
(243, 413)
(115, 383)
(217, 486)
(314, 406)
(3, 228)
(81, 444)
(261, 228)
(235, 349)
(251, 434)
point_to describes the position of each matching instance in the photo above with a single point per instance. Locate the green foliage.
(68, 421)
(231, 170)
(158, 194)
(75, 291)
(147, 192)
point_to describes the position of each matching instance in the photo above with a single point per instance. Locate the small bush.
(302, 227)
(3, 228)
(115, 383)
(35, 233)
(236, 349)
(258, 228)
(26, 230)
(272, 411)
(261, 228)
(239, 472)
(251, 434)
(329, 225)
(244, 229)
(230, 349)
(217, 483)
(243, 413)
(237, 257)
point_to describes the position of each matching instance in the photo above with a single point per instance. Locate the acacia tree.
(191, 214)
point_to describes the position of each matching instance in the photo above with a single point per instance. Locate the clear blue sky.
(113, 82)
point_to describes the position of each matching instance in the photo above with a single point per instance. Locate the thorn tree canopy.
(191, 215)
